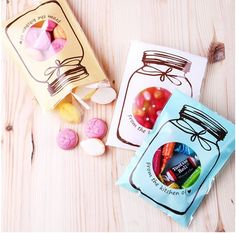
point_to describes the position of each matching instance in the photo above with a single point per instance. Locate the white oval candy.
(93, 147)
(104, 95)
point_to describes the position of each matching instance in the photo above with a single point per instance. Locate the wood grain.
(46, 189)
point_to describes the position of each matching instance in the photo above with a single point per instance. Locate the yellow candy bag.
(54, 52)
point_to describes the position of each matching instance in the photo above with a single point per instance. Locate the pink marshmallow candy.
(67, 139)
(49, 25)
(38, 39)
(96, 128)
(57, 45)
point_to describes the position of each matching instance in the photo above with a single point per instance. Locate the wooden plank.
(46, 189)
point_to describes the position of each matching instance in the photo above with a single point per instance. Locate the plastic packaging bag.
(55, 54)
(177, 162)
(152, 73)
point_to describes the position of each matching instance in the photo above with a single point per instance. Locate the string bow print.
(175, 79)
(73, 62)
(187, 128)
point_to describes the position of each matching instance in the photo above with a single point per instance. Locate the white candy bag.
(152, 73)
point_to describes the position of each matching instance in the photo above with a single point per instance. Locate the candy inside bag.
(177, 162)
(49, 44)
(152, 73)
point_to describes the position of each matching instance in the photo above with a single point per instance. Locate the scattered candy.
(148, 105)
(96, 128)
(89, 94)
(69, 112)
(67, 99)
(167, 153)
(93, 147)
(51, 27)
(104, 95)
(67, 139)
(85, 93)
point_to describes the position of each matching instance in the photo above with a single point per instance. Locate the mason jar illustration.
(148, 90)
(49, 47)
(50, 43)
(198, 131)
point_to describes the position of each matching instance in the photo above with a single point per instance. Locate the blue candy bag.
(177, 162)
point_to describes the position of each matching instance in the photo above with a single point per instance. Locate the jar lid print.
(168, 59)
(205, 121)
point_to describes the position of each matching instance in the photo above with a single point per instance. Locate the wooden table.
(47, 189)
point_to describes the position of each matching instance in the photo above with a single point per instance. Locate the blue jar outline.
(222, 132)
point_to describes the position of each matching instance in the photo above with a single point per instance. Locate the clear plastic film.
(175, 166)
(49, 44)
(152, 73)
